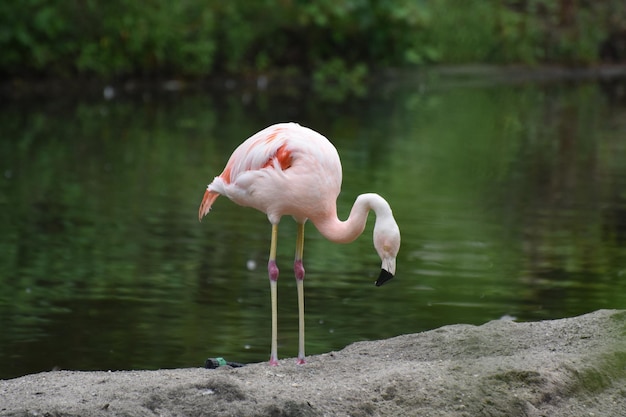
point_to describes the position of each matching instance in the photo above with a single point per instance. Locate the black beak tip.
(383, 277)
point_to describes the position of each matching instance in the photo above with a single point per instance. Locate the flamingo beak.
(387, 270)
(383, 277)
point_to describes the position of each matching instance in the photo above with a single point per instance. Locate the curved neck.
(339, 231)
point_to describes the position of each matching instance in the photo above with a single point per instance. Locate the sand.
(568, 367)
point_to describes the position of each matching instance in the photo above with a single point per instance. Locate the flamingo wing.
(267, 149)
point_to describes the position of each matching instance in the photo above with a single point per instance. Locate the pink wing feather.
(265, 149)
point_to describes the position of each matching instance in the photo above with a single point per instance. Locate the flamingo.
(288, 169)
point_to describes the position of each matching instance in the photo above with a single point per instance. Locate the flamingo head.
(387, 244)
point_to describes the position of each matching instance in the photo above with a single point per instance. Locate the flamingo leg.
(272, 270)
(299, 272)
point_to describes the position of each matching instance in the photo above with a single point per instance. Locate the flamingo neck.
(346, 231)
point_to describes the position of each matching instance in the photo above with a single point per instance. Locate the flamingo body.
(287, 169)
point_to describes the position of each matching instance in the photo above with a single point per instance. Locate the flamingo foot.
(300, 361)
(273, 361)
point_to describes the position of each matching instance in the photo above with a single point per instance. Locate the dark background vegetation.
(321, 39)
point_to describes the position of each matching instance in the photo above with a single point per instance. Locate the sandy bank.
(569, 367)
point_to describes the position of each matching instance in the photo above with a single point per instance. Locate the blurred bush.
(155, 38)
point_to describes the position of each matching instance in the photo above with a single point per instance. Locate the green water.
(511, 200)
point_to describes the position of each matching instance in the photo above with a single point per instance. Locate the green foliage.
(334, 80)
(195, 38)
(106, 38)
(555, 31)
(149, 36)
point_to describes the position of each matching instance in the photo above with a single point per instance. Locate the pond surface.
(511, 199)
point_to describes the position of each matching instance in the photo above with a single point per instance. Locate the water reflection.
(510, 200)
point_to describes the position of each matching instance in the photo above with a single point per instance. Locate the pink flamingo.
(287, 169)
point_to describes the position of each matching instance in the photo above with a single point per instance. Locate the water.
(511, 199)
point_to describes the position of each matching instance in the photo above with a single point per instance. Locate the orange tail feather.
(207, 202)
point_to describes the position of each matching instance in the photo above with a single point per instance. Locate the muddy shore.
(569, 367)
